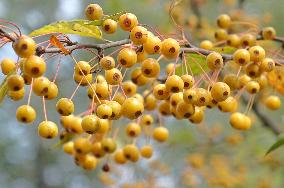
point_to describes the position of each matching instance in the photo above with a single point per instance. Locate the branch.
(99, 47)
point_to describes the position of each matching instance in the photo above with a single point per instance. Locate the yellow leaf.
(4, 87)
(77, 27)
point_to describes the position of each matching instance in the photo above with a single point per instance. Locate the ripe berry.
(257, 53)
(119, 157)
(170, 69)
(47, 129)
(138, 78)
(150, 68)
(185, 110)
(273, 102)
(241, 56)
(93, 12)
(133, 130)
(104, 126)
(141, 55)
(41, 86)
(220, 34)
(252, 87)
(90, 162)
(82, 145)
(248, 40)
(164, 108)
(198, 116)
(174, 84)
(224, 21)
(206, 45)
(75, 125)
(188, 81)
(202, 97)
(253, 70)
(7, 66)
(109, 145)
(214, 61)
(232, 81)
(267, 65)
(131, 152)
(146, 151)
(160, 134)
(220, 91)
(127, 57)
(68, 148)
(150, 102)
(16, 95)
(138, 35)
(240, 121)
(146, 120)
(233, 40)
(90, 124)
(132, 108)
(160, 92)
(52, 91)
(25, 114)
(34, 66)
(170, 48)
(128, 21)
(115, 108)
(82, 68)
(113, 76)
(152, 45)
(129, 88)
(109, 26)
(190, 96)
(65, 106)
(97, 150)
(107, 63)
(84, 80)
(104, 111)
(24, 46)
(228, 105)
(268, 33)
(15, 82)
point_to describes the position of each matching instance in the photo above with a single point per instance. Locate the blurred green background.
(27, 161)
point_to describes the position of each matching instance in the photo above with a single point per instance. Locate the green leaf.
(276, 145)
(77, 27)
(194, 62)
(225, 50)
(4, 87)
(85, 28)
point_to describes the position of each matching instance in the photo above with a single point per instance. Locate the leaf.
(85, 28)
(4, 87)
(276, 145)
(77, 27)
(194, 62)
(225, 50)
(55, 42)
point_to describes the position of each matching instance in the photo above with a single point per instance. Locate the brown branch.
(7, 35)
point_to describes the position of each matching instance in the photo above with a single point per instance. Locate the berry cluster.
(146, 97)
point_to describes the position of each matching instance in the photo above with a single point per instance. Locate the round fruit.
(65, 106)
(47, 129)
(34, 66)
(170, 48)
(161, 134)
(24, 46)
(93, 12)
(128, 21)
(273, 102)
(25, 114)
